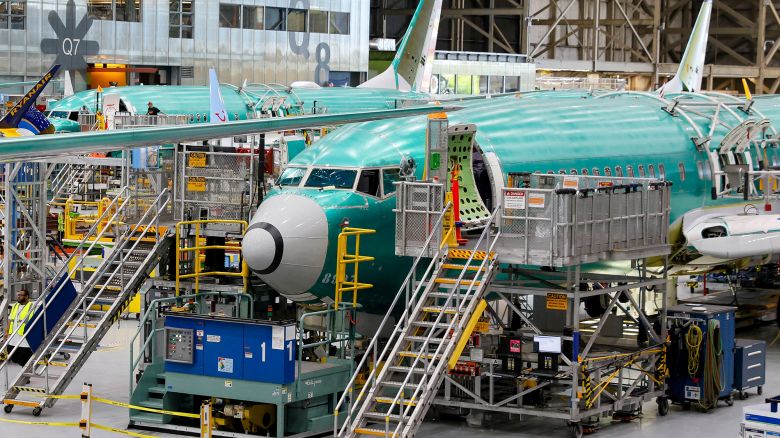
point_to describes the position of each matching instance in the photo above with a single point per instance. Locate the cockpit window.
(59, 114)
(368, 182)
(338, 178)
(389, 176)
(291, 176)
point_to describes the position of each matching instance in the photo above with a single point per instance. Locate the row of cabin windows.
(641, 171)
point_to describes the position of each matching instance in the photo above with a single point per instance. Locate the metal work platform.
(267, 377)
(475, 312)
(554, 220)
(216, 182)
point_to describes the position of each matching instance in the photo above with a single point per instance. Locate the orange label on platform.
(536, 201)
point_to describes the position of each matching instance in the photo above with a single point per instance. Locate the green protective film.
(473, 212)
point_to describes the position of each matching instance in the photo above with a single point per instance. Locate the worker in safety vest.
(61, 225)
(100, 121)
(17, 321)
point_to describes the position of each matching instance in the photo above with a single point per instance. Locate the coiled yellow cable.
(693, 339)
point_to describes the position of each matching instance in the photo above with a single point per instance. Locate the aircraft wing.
(701, 265)
(29, 148)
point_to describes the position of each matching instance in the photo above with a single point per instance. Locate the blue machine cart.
(701, 354)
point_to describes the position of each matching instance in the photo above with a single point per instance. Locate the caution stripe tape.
(143, 408)
(40, 423)
(30, 389)
(122, 431)
(42, 393)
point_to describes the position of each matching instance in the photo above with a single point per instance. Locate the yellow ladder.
(346, 259)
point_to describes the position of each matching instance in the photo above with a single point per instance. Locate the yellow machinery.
(77, 222)
(243, 418)
(196, 252)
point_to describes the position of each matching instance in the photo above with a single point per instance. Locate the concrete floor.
(107, 370)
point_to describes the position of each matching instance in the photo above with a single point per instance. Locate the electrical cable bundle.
(693, 340)
(713, 366)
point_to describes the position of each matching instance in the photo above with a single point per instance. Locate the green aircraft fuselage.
(193, 101)
(629, 134)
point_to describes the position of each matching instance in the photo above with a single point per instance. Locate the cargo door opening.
(474, 186)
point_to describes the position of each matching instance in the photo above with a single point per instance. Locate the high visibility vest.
(19, 318)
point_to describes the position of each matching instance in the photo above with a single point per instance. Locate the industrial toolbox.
(749, 366)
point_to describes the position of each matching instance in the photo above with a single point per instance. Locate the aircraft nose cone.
(286, 244)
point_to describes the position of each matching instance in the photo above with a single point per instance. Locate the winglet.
(17, 113)
(691, 71)
(217, 113)
(413, 63)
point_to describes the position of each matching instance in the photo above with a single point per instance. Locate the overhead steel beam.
(604, 36)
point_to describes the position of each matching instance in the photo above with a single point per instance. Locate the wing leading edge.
(30, 148)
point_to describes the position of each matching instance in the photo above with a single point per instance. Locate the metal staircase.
(99, 302)
(68, 180)
(442, 308)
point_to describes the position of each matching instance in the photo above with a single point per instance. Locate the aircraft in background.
(217, 110)
(404, 82)
(24, 119)
(691, 70)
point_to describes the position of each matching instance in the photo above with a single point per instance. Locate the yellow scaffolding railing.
(76, 224)
(199, 247)
(345, 259)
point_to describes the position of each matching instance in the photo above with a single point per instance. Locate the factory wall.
(181, 39)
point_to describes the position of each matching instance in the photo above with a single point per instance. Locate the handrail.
(244, 274)
(42, 300)
(402, 291)
(456, 318)
(345, 307)
(153, 306)
(58, 182)
(69, 178)
(94, 278)
(69, 223)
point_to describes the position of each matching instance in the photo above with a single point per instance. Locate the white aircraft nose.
(286, 244)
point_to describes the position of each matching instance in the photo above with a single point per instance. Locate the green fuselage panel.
(629, 134)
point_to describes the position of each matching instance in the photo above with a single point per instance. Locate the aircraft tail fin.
(218, 114)
(19, 111)
(68, 91)
(691, 71)
(413, 63)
